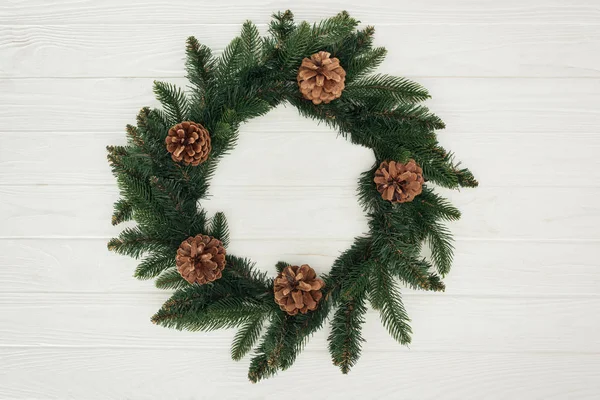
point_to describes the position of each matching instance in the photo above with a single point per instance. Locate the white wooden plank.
(439, 321)
(527, 160)
(483, 268)
(21, 12)
(488, 213)
(424, 50)
(466, 105)
(115, 374)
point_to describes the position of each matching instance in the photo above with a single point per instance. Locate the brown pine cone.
(320, 78)
(188, 142)
(200, 259)
(298, 289)
(399, 183)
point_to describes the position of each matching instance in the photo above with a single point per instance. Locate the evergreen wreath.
(164, 171)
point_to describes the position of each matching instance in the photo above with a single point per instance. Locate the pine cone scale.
(321, 78)
(200, 259)
(397, 182)
(297, 289)
(188, 142)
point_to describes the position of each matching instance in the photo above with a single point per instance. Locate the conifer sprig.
(253, 75)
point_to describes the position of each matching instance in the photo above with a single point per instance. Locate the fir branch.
(123, 211)
(219, 229)
(409, 114)
(243, 269)
(206, 308)
(332, 30)
(133, 242)
(170, 279)
(282, 25)
(134, 136)
(173, 100)
(142, 117)
(381, 87)
(345, 339)
(246, 337)
(442, 249)
(154, 264)
(230, 62)
(252, 43)
(416, 273)
(465, 177)
(280, 266)
(199, 64)
(284, 339)
(365, 63)
(295, 48)
(265, 362)
(435, 205)
(385, 297)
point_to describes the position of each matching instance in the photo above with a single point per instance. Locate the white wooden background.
(518, 83)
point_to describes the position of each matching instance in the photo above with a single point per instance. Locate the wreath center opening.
(298, 201)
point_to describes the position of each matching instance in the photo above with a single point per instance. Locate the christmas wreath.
(163, 173)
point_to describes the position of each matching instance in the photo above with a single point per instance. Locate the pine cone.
(320, 78)
(200, 259)
(399, 183)
(188, 142)
(298, 289)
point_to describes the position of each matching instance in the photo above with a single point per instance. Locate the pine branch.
(265, 362)
(219, 229)
(123, 211)
(365, 63)
(284, 339)
(379, 87)
(416, 273)
(332, 30)
(230, 62)
(280, 266)
(173, 100)
(171, 279)
(345, 340)
(252, 43)
(206, 308)
(442, 249)
(199, 64)
(295, 48)
(154, 264)
(133, 242)
(385, 297)
(246, 337)
(282, 25)
(243, 270)
(437, 206)
(465, 177)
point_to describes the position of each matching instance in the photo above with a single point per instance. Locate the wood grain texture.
(262, 146)
(488, 213)
(519, 50)
(481, 268)
(515, 81)
(516, 324)
(182, 374)
(19, 12)
(467, 105)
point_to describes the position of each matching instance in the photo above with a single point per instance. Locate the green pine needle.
(163, 199)
(154, 264)
(246, 337)
(173, 101)
(219, 229)
(385, 297)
